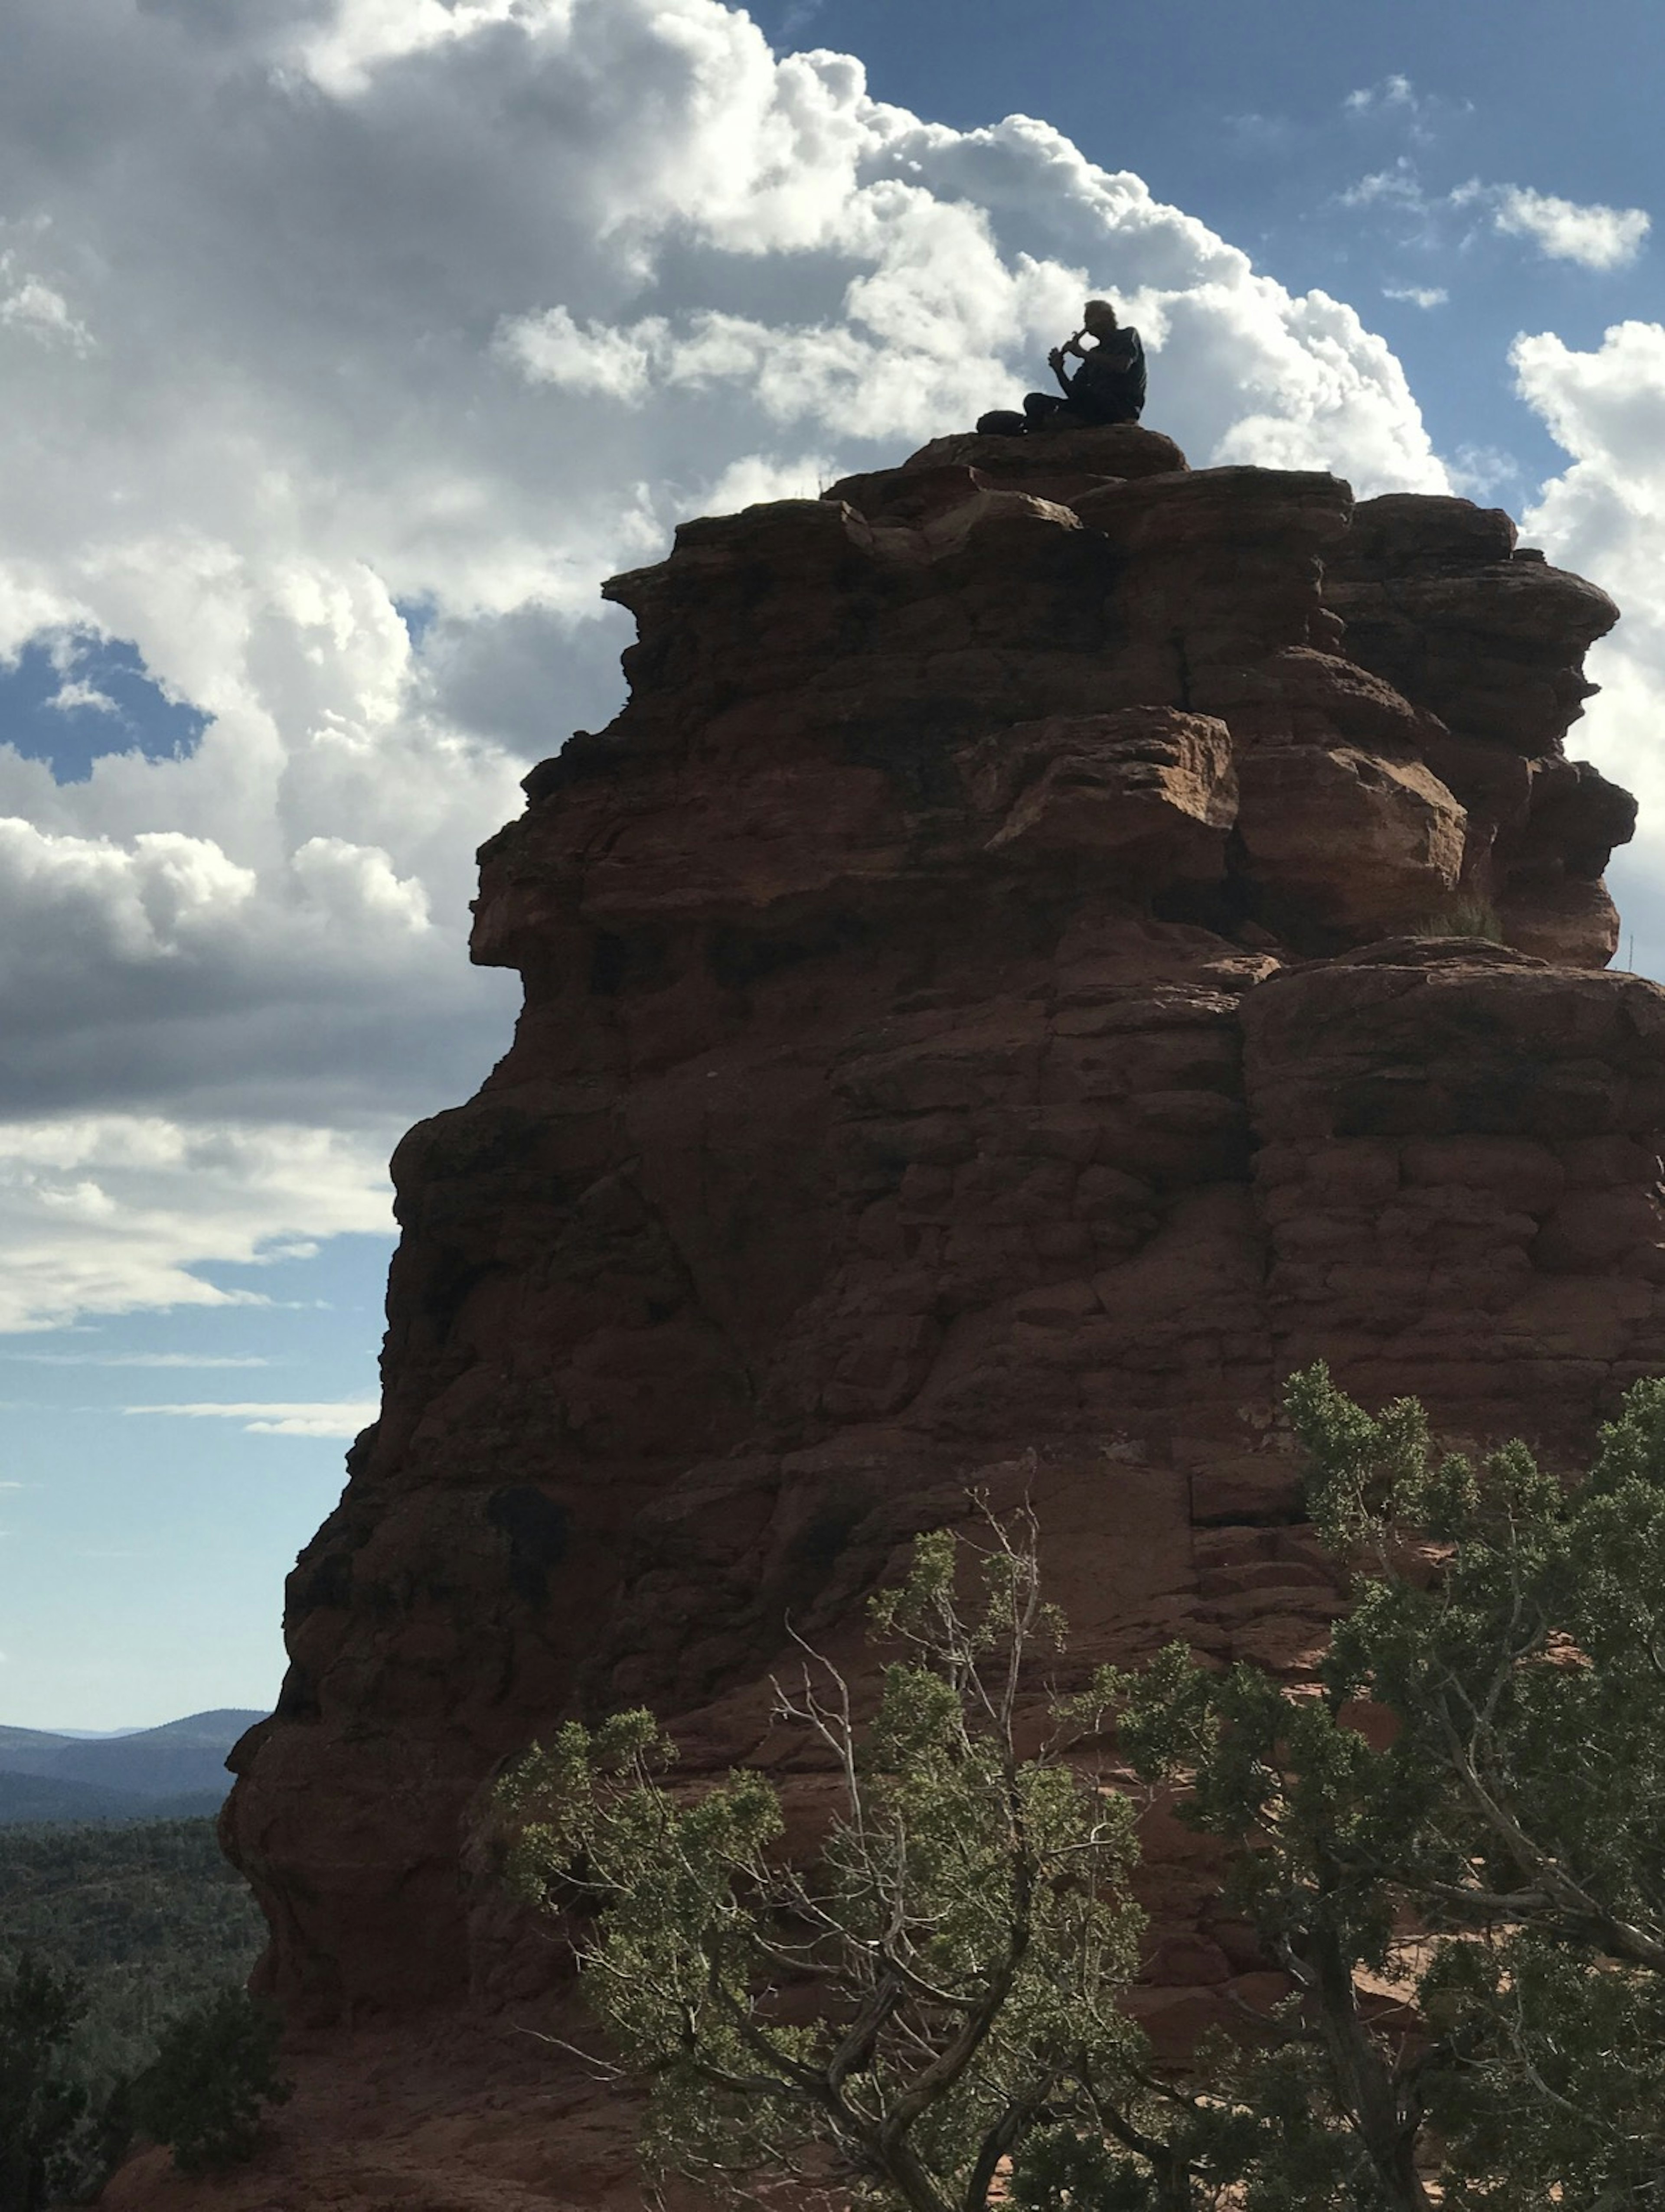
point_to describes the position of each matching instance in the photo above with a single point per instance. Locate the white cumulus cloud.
(1595, 236)
(1604, 516)
(550, 347)
(350, 344)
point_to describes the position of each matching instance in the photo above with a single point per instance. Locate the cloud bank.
(106, 1212)
(350, 343)
(1605, 517)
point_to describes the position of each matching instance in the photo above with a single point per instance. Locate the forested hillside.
(32, 1798)
(148, 1916)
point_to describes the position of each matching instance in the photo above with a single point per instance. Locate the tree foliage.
(41, 2106)
(149, 1916)
(133, 1925)
(215, 2069)
(938, 1990)
(1452, 1842)
(1498, 1866)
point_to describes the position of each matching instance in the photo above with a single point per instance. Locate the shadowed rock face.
(986, 1016)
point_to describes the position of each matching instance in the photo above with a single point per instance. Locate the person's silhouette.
(1108, 386)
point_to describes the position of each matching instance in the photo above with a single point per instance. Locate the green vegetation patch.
(149, 1918)
(122, 1953)
(1450, 1846)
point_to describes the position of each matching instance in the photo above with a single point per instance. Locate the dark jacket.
(1110, 383)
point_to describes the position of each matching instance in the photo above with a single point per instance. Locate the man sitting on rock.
(1107, 387)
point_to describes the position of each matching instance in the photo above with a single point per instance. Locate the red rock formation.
(985, 1010)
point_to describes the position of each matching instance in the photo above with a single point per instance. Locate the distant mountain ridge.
(152, 1774)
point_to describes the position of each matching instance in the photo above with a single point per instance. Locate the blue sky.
(146, 1550)
(1248, 115)
(350, 343)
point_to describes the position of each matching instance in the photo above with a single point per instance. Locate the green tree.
(1498, 1866)
(1452, 1842)
(216, 2066)
(39, 2106)
(142, 1922)
(937, 1993)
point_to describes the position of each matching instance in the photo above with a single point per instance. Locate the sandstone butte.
(995, 1003)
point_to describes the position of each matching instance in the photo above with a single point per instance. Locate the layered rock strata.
(1000, 995)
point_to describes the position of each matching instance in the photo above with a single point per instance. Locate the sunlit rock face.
(998, 998)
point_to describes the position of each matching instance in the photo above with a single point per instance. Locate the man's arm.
(1055, 360)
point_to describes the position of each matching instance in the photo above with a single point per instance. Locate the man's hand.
(1055, 359)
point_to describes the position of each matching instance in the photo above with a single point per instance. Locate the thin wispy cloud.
(80, 697)
(344, 1417)
(1254, 132)
(134, 1359)
(798, 16)
(1417, 295)
(1394, 102)
(1480, 473)
(1393, 91)
(1592, 235)
(1398, 185)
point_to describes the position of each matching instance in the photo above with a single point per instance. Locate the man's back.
(1111, 377)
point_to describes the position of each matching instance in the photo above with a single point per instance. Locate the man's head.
(1098, 317)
